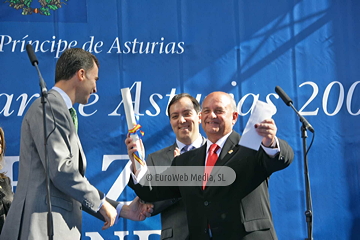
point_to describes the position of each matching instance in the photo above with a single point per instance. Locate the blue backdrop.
(160, 48)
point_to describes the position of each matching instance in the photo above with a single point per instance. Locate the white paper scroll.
(250, 138)
(131, 123)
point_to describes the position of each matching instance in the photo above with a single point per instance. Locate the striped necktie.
(186, 148)
(74, 118)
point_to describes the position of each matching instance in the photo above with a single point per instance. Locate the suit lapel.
(199, 158)
(229, 149)
(170, 152)
(82, 158)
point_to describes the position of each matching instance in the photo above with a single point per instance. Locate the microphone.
(35, 62)
(31, 54)
(287, 100)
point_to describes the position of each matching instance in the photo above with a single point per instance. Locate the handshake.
(110, 211)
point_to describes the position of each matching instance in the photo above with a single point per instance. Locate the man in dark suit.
(70, 191)
(240, 210)
(183, 112)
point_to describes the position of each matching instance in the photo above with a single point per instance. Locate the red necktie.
(211, 160)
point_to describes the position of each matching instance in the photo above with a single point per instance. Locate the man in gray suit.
(75, 79)
(183, 112)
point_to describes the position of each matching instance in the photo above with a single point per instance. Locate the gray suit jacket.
(69, 188)
(173, 215)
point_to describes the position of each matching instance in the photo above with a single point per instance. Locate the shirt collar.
(219, 142)
(64, 96)
(197, 143)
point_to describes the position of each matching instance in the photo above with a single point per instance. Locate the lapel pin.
(230, 151)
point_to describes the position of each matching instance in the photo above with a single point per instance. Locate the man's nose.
(212, 114)
(182, 119)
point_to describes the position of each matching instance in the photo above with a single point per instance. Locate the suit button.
(205, 230)
(206, 203)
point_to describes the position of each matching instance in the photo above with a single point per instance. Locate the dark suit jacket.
(237, 211)
(173, 215)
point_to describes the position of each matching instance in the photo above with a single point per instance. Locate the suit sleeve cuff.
(272, 150)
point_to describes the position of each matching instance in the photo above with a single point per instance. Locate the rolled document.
(133, 127)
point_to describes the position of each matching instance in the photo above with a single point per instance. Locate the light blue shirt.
(196, 144)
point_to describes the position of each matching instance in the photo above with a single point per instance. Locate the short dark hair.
(71, 61)
(177, 97)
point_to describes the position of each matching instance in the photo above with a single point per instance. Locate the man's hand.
(176, 152)
(132, 148)
(109, 213)
(267, 129)
(137, 210)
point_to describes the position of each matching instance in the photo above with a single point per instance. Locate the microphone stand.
(50, 224)
(308, 213)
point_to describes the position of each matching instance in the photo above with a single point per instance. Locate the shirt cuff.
(139, 173)
(272, 151)
(102, 202)
(118, 210)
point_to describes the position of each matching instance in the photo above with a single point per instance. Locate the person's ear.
(235, 117)
(80, 74)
